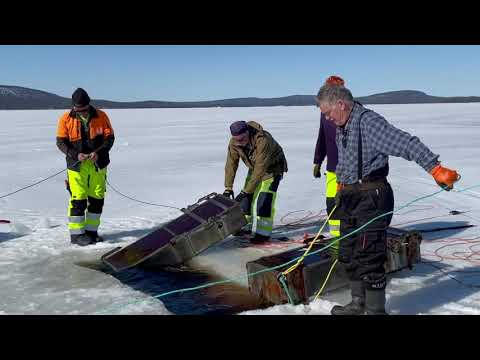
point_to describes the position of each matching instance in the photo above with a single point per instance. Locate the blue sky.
(200, 72)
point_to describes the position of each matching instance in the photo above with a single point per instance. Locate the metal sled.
(403, 250)
(203, 224)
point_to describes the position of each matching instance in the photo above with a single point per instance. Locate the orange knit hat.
(335, 80)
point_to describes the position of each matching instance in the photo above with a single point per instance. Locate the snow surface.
(175, 156)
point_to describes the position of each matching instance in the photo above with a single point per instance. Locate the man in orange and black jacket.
(85, 136)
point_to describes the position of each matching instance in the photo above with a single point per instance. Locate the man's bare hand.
(83, 157)
(93, 156)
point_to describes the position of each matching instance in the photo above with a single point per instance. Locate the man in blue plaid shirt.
(364, 141)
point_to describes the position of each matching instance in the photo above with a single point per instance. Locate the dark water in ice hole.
(223, 299)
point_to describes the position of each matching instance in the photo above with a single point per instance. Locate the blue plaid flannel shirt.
(379, 140)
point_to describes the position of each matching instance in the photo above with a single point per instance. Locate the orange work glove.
(444, 177)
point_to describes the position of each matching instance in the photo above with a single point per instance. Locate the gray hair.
(331, 93)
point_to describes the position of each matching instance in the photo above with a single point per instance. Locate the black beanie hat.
(238, 127)
(80, 98)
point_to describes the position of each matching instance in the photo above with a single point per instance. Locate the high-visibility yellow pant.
(262, 209)
(331, 191)
(87, 188)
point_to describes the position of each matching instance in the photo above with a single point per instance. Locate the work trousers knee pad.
(95, 205)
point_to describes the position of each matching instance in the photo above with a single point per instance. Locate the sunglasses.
(81, 108)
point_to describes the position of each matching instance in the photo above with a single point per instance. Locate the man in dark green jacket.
(266, 164)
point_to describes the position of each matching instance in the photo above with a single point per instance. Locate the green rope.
(281, 279)
(288, 262)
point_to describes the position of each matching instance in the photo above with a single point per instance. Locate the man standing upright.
(327, 147)
(266, 164)
(85, 136)
(364, 141)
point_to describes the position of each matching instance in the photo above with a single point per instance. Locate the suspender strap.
(360, 153)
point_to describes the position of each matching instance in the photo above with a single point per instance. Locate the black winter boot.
(93, 235)
(242, 232)
(357, 305)
(375, 302)
(81, 240)
(259, 239)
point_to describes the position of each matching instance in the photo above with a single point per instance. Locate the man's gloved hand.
(444, 177)
(316, 170)
(229, 194)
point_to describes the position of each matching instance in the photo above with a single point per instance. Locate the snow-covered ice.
(175, 156)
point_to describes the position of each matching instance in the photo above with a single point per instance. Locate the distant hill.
(413, 97)
(20, 98)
